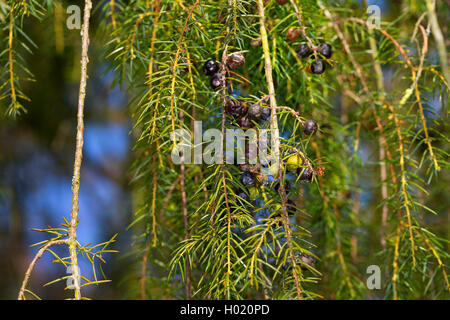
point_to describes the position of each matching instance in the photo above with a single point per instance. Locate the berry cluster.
(318, 66)
(239, 110)
(246, 117)
(211, 68)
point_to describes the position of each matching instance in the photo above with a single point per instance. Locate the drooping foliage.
(379, 156)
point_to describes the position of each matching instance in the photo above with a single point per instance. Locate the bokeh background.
(36, 159)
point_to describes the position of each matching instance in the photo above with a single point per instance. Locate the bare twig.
(33, 263)
(72, 241)
(302, 27)
(294, 113)
(341, 36)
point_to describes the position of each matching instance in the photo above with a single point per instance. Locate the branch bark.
(72, 241)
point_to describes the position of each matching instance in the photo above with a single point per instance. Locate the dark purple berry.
(255, 111)
(245, 122)
(210, 67)
(318, 67)
(217, 81)
(248, 179)
(245, 167)
(265, 114)
(235, 108)
(241, 193)
(303, 51)
(325, 50)
(309, 127)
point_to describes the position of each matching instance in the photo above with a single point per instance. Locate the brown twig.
(72, 241)
(387, 35)
(302, 27)
(341, 36)
(293, 112)
(33, 263)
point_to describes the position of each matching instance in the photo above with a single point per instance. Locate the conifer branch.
(419, 99)
(175, 64)
(404, 181)
(300, 23)
(415, 76)
(395, 260)
(387, 35)
(265, 248)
